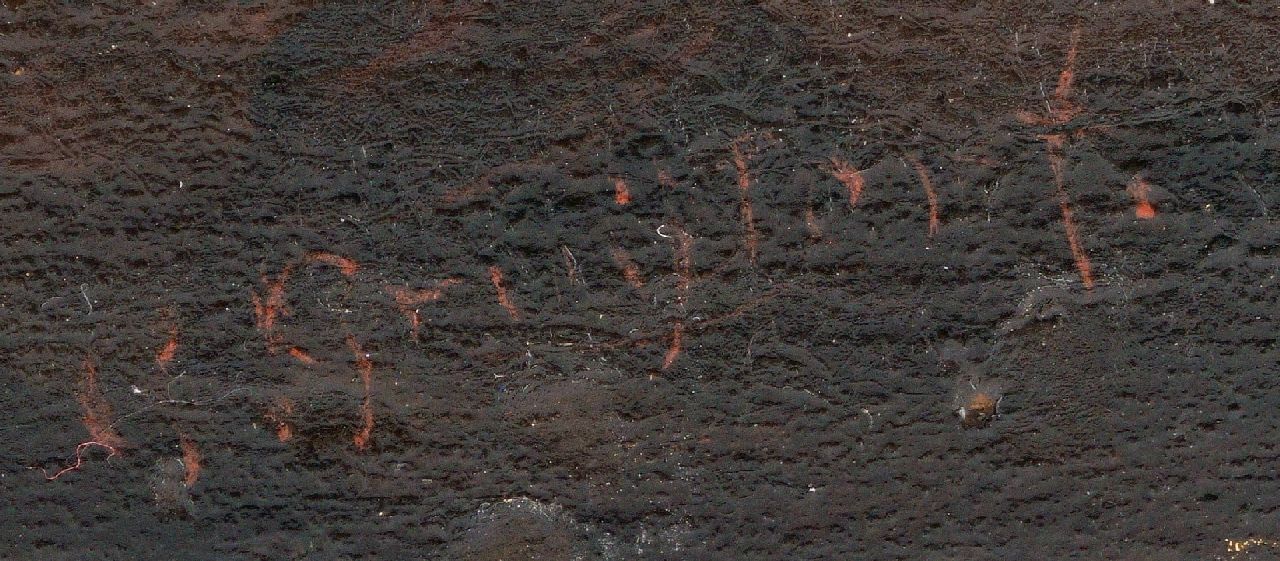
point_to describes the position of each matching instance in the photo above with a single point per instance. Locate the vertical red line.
(495, 275)
(97, 412)
(744, 191)
(1078, 254)
(365, 367)
(930, 193)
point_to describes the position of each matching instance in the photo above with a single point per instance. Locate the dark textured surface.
(161, 163)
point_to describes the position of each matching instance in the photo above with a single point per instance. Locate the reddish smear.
(1141, 192)
(845, 173)
(346, 265)
(97, 412)
(267, 308)
(190, 460)
(365, 367)
(744, 191)
(1061, 110)
(811, 223)
(166, 353)
(1056, 160)
(302, 356)
(673, 352)
(684, 272)
(495, 275)
(665, 179)
(930, 193)
(630, 272)
(407, 299)
(621, 193)
(280, 414)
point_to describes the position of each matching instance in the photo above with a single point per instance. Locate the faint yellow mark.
(1237, 546)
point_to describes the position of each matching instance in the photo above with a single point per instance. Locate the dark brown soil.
(690, 280)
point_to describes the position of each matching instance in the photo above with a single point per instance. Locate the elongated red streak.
(744, 191)
(1078, 254)
(930, 193)
(97, 412)
(845, 173)
(495, 275)
(365, 367)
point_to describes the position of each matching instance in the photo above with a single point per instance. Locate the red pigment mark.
(495, 275)
(630, 272)
(266, 309)
(407, 299)
(851, 178)
(1061, 110)
(811, 222)
(1141, 192)
(365, 367)
(190, 460)
(621, 193)
(930, 193)
(280, 414)
(302, 356)
(166, 353)
(744, 190)
(1064, 109)
(97, 412)
(111, 453)
(684, 272)
(673, 352)
(665, 179)
(1055, 142)
(346, 265)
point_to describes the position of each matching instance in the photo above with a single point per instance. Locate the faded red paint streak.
(268, 307)
(302, 356)
(1140, 190)
(191, 460)
(365, 367)
(441, 32)
(1063, 109)
(348, 266)
(811, 223)
(930, 193)
(751, 238)
(677, 340)
(665, 179)
(281, 413)
(621, 192)
(684, 274)
(165, 355)
(504, 299)
(630, 272)
(845, 173)
(408, 299)
(1078, 254)
(97, 412)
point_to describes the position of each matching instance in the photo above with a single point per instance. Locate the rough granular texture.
(639, 280)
